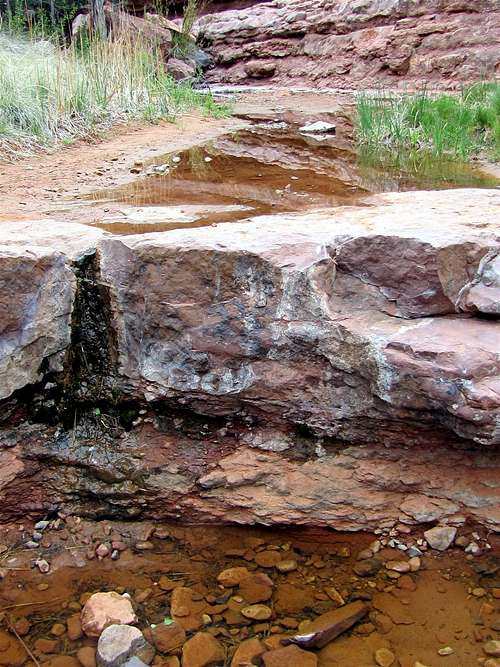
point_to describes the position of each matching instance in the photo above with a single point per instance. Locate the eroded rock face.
(326, 324)
(36, 294)
(345, 365)
(163, 471)
(347, 44)
(37, 298)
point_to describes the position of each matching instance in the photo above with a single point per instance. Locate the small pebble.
(58, 629)
(478, 592)
(384, 657)
(42, 565)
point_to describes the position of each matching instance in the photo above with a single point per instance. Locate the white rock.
(319, 127)
(42, 525)
(117, 644)
(440, 537)
(473, 548)
(42, 565)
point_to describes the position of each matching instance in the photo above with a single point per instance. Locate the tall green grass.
(50, 94)
(412, 127)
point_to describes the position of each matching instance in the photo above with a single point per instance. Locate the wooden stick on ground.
(30, 604)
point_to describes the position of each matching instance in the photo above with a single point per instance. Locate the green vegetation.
(408, 129)
(51, 94)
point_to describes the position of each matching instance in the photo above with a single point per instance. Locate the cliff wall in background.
(358, 44)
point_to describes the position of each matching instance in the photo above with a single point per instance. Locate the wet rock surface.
(352, 44)
(244, 372)
(299, 292)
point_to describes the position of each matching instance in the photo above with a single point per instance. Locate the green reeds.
(419, 126)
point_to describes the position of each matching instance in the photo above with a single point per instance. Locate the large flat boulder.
(333, 319)
(351, 358)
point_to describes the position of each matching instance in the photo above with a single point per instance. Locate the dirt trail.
(41, 185)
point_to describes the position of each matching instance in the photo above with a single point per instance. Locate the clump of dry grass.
(50, 94)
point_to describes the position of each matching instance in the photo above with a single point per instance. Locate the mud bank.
(391, 604)
(336, 368)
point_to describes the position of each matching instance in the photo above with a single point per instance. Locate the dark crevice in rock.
(91, 357)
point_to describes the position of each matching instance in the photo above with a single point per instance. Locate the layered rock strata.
(353, 44)
(336, 368)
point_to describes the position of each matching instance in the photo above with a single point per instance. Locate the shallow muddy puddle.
(174, 573)
(269, 168)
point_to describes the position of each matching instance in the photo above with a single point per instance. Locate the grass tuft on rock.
(50, 94)
(407, 128)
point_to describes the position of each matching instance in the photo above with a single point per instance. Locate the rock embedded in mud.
(47, 646)
(12, 653)
(58, 629)
(87, 656)
(291, 656)
(398, 566)
(74, 625)
(247, 652)
(104, 609)
(268, 559)
(42, 565)
(22, 626)
(233, 576)
(202, 650)
(118, 643)
(61, 661)
(257, 612)
(440, 537)
(492, 648)
(286, 566)
(384, 657)
(258, 587)
(168, 638)
(102, 550)
(185, 610)
(167, 584)
(368, 567)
